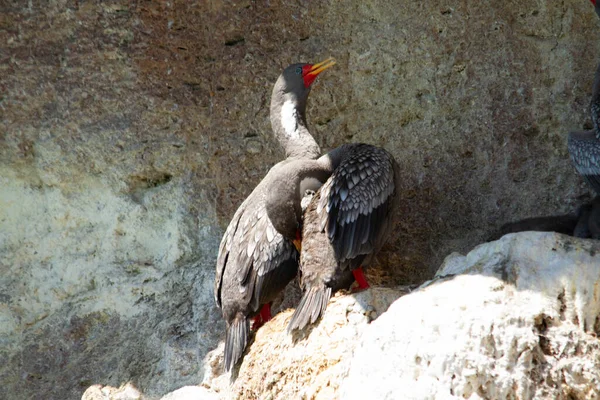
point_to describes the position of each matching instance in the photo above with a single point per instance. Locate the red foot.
(263, 316)
(265, 312)
(360, 279)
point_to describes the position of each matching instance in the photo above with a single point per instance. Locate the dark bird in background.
(346, 223)
(256, 262)
(584, 148)
(584, 223)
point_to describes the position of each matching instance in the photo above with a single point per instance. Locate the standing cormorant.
(255, 262)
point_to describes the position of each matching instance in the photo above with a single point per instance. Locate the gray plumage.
(354, 201)
(255, 261)
(347, 221)
(584, 148)
(295, 138)
(585, 223)
(588, 225)
(556, 223)
(254, 264)
(596, 6)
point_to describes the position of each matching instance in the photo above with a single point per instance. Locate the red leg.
(265, 312)
(263, 316)
(360, 278)
(256, 322)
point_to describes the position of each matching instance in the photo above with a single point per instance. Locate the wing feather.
(356, 201)
(584, 148)
(254, 249)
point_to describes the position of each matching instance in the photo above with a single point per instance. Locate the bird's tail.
(236, 340)
(556, 223)
(311, 307)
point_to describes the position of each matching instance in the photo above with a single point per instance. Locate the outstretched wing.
(262, 259)
(584, 148)
(357, 200)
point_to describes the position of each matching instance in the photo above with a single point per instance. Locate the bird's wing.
(225, 249)
(256, 250)
(262, 251)
(584, 148)
(356, 201)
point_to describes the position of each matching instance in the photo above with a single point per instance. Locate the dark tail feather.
(311, 307)
(236, 340)
(557, 223)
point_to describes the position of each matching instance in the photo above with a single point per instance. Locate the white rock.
(98, 287)
(307, 365)
(191, 393)
(99, 392)
(521, 322)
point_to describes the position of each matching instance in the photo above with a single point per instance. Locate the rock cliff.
(131, 131)
(513, 319)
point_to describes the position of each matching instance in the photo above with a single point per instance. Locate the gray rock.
(100, 288)
(514, 318)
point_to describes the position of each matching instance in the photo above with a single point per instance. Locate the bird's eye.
(298, 70)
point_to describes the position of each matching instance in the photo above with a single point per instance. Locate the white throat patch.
(289, 119)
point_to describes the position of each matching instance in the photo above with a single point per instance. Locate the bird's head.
(290, 181)
(296, 79)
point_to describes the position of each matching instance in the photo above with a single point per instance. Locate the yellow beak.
(322, 66)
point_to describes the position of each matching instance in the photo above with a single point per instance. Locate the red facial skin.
(307, 76)
(593, 2)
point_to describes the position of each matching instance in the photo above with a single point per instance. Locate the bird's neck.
(288, 186)
(595, 104)
(288, 121)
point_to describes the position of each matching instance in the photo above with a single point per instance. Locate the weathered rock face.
(130, 132)
(309, 364)
(518, 318)
(128, 392)
(520, 322)
(98, 287)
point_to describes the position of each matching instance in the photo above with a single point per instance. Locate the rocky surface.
(130, 132)
(308, 364)
(128, 392)
(518, 318)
